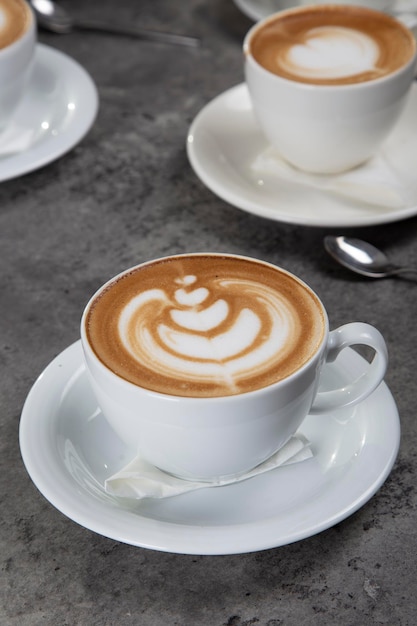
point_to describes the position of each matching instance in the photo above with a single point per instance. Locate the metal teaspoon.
(54, 18)
(363, 258)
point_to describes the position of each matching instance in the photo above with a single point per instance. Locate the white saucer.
(69, 451)
(224, 140)
(258, 9)
(60, 104)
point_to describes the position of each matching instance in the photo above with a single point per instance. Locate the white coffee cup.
(331, 126)
(211, 437)
(16, 60)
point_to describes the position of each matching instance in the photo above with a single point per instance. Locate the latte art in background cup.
(17, 49)
(15, 19)
(328, 82)
(332, 45)
(205, 326)
(206, 364)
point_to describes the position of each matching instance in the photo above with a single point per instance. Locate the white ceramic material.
(259, 9)
(60, 105)
(378, 5)
(325, 128)
(224, 141)
(211, 438)
(69, 450)
(16, 61)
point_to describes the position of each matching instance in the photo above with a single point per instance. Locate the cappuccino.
(332, 45)
(15, 18)
(205, 325)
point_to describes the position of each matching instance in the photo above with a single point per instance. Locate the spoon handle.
(405, 270)
(137, 32)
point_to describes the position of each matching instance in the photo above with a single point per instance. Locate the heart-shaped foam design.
(332, 52)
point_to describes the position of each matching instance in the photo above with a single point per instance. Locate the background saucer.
(60, 104)
(69, 451)
(225, 139)
(258, 9)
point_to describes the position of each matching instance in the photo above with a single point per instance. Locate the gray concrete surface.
(125, 194)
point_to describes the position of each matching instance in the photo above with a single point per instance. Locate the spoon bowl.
(52, 17)
(363, 258)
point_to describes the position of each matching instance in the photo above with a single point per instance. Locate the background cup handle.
(355, 333)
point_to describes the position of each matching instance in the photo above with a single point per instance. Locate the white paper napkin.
(375, 182)
(140, 480)
(15, 139)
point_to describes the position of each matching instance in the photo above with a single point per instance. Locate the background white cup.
(16, 62)
(213, 437)
(325, 128)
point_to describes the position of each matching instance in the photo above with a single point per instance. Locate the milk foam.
(331, 52)
(205, 325)
(204, 333)
(331, 44)
(15, 17)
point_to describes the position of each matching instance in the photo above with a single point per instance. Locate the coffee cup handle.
(355, 333)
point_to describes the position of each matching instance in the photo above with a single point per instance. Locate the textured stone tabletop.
(126, 193)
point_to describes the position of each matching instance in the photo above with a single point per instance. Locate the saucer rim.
(35, 157)
(238, 200)
(252, 11)
(130, 527)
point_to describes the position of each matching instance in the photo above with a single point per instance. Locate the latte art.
(207, 334)
(205, 325)
(331, 52)
(333, 45)
(15, 17)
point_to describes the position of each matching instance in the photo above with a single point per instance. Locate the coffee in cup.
(15, 20)
(328, 82)
(206, 364)
(204, 326)
(17, 49)
(332, 46)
